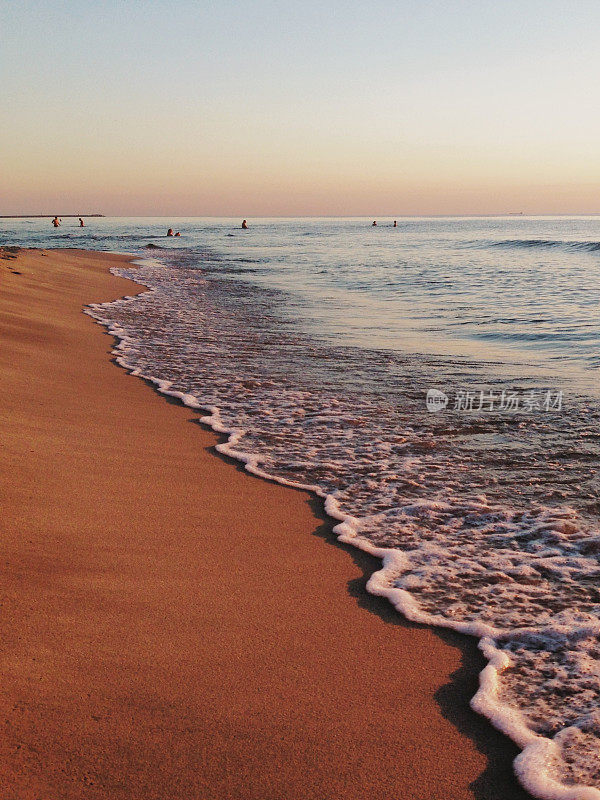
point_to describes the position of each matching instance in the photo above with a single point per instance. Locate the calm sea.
(438, 384)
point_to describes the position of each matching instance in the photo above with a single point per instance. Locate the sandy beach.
(173, 628)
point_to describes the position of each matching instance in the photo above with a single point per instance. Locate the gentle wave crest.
(544, 244)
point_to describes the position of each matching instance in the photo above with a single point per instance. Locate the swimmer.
(170, 232)
(395, 224)
(244, 225)
(56, 222)
(374, 225)
(177, 234)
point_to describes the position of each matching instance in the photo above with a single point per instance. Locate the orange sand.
(174, 628)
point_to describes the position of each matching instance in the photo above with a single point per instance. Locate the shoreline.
(157, 721)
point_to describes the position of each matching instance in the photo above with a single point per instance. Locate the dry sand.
(174, 628)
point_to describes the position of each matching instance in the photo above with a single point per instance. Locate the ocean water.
(313, 344)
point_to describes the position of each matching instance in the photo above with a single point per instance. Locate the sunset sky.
(280, 108)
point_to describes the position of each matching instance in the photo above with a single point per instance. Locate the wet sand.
(172, 627)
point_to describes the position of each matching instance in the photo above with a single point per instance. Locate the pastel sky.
(280, 108)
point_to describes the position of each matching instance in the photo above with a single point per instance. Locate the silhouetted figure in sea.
(177, 234)
(56, 222)
(374, 225)
(81, 223)
(395, 224)
(170, 232)
(244, 225)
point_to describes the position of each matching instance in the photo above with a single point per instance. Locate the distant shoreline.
(43, 216)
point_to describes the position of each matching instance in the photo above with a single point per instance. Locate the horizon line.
(375, 215)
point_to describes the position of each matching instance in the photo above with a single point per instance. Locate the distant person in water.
(81, 223)
(244, 225)
(170, 232)
(177, 234)
(56, 222)
(374, 225)
(395, 224)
